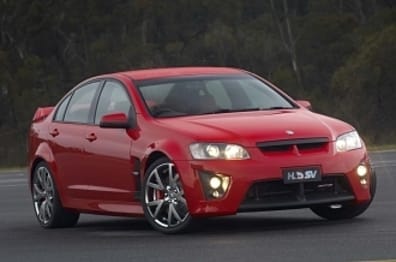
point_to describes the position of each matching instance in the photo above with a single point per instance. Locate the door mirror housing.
(305, 103)
(115, 120)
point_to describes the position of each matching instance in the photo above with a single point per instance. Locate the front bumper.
(262, 173)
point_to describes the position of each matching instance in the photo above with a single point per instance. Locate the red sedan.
(178, 143)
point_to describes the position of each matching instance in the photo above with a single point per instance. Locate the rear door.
(68, 136)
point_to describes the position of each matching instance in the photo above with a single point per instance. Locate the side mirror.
(115, 120)
(305, 103)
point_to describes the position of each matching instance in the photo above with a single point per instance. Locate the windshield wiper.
(226, 110)
(278, 107)
(165, 112)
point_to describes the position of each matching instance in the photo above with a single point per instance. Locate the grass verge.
(10, 170)
(373, 148)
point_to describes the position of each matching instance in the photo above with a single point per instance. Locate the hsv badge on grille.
(289, 132)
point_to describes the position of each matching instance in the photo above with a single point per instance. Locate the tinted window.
(60, 113)
(219, 93)
(113, 98)
(259, 96)
(209, 95)
(80, 103)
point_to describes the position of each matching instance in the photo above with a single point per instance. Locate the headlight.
(348, 141)
(218, 151)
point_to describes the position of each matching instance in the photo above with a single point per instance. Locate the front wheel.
(348, 210)
(340, 211)
(164, 204)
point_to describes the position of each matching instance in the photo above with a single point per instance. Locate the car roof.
(145, 74)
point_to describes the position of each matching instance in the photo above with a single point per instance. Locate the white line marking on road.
(13, 185)
(13, 180)
(385, 165)
(386, 260)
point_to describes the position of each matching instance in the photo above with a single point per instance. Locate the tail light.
(41, 113)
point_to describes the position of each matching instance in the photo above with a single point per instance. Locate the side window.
(60, 112)
(80, 103)
(113, 98)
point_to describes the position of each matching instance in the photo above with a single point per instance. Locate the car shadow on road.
(237, 224)
(223, 225)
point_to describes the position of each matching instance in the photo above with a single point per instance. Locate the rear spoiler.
(42, 113)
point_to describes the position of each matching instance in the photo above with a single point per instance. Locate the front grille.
(272, 195)
(305, 145)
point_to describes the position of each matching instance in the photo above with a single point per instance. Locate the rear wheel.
(164, 204)
(348, 210)
(47, 206)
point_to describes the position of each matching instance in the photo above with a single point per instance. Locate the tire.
(163, 199)
(348, 210)
(46, 202)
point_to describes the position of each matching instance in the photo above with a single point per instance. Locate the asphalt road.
(266, 236)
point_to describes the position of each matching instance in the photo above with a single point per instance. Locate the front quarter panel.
(172, 149)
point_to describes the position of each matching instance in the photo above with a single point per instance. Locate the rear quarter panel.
(40, 150)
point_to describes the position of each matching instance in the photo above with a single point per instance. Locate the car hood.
(248, 128)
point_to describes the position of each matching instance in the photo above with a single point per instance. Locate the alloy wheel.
(164, 199)
(43, 195)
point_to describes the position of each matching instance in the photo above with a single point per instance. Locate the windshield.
(200, 95)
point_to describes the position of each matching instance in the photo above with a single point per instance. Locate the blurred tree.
(335, 52)
(364, 87)
(283, 21)
(325, 41)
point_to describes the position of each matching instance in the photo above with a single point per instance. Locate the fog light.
(361, 170)
(214, 185)
(215, 182)
(216, 194)
(363, 181)
(226, 183)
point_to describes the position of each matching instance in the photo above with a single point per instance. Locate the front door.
(108, 151)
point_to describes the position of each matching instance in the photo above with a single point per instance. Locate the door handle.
(54, 132)
(91, 137)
